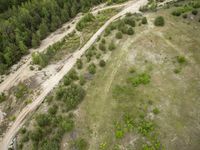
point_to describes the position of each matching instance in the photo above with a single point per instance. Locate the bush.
(130, 31)
(73, 74)
(194, 12)
(73, 95)
(80, 144)
(144, 20)
(156, 111)
(140, 79)
(176, 13)
(21, 90)
(42, 120)
(119, 35)
(82, 80)
(67, 80)
(53, 110)
(185, 16)
(102, 63)
(111, 46)
(159, 21)
(2, 97)
(102, 47)
(79, 64)
(36, 134)
(103, 41)
(92, 68)
(130, 21)
(181, 59)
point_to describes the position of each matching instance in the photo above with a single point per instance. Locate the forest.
(23, 24)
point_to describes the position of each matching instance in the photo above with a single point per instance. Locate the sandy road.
(49, 84)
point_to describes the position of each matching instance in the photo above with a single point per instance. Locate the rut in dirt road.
(49, 84)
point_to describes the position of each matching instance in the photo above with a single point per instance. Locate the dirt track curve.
(49, 84)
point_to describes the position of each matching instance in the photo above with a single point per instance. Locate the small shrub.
(102, 47)
(156, 111)
(67, 80)
(79, 64)
(82, 80)
(140, 79)
(144, 20)
(31, 68)
(98, 55)
(159, 21)
(130, 21)
(53, 110)
(80, 144)
(111, 46)
(181, 59)
(103, 41)
(194, 12)
(2, 97)
(73, 74)
(119, 134)
(119, 35)
(132, 70)
(92, 68)
(185, 16)
(21, 91)
(102, 63)
(42, 120)
(176, 13)
(130, 31)
(177, 70)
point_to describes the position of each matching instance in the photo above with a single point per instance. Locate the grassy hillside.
(136, 88)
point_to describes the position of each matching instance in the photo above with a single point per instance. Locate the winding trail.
(49, 84)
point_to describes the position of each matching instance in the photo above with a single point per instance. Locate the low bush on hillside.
(159, 21)
(92, 68)
(2, 97)
(142, 78)
(119, 35)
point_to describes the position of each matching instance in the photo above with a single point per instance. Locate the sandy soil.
(49, 84)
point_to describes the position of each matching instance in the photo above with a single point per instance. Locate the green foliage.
(144, 20)
(195, 12)
(159, 21)
(181, 59)
(119, 35)
(145, 127)
(67, 80)
(43, 120)
(111, 46)
(92, 68)
(119, 134)
(142, 78)
(130, 31)
(2, 97)
(80, 144)
(24, 26)
(71, 95)
(102, 63)
(102, 47)
(130, 21)
(84, 21)
(53, 110)
(82, 80)
(21, 90)
(79, 64)
(156, 111)
(73, 74)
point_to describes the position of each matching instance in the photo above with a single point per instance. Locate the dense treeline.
(6, 4)
(25, 26)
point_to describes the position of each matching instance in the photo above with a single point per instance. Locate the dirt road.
(49, 84)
